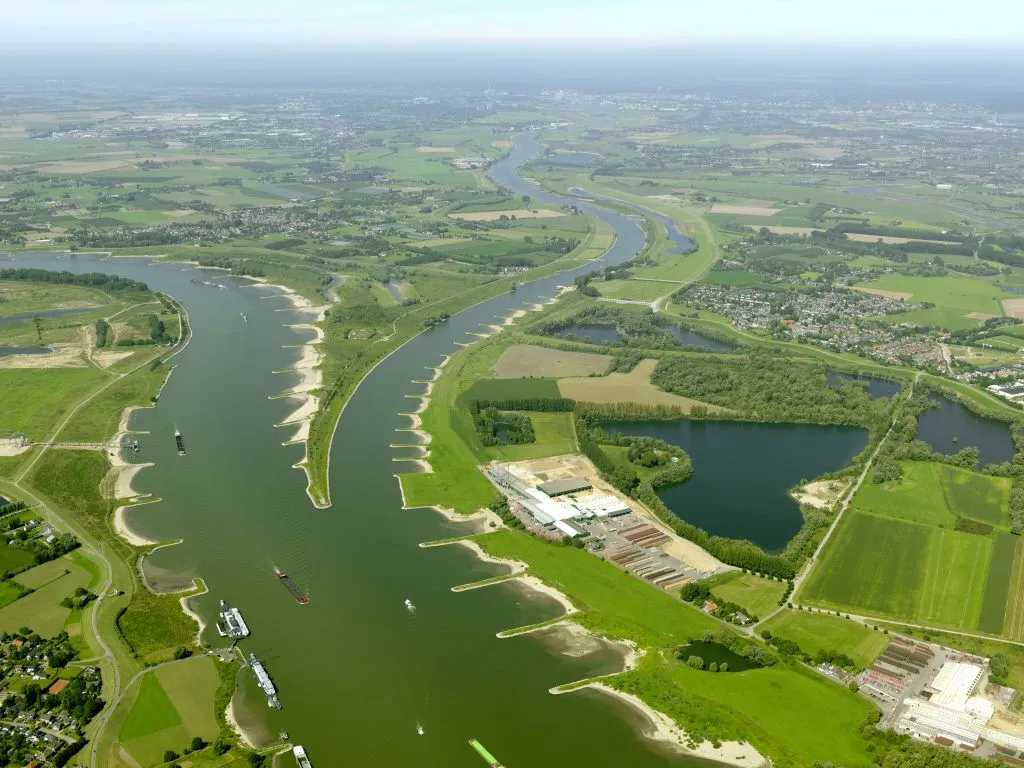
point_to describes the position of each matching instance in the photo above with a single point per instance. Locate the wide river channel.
(355, 670)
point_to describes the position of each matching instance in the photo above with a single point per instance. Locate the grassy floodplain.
(815, 632)
(754, 705)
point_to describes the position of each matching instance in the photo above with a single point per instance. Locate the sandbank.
(664, 730)
(126, 533)
(229, 715)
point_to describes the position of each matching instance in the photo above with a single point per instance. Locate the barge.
(180, 441)
(296, 592)
(264, 681)
(301, 758)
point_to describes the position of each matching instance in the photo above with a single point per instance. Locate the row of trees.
(765, 387)
(89, 279)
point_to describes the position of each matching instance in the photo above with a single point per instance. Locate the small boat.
(409, 605)
(245, 318)
(419, 729)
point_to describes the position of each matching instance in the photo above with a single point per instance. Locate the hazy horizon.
(62, 22)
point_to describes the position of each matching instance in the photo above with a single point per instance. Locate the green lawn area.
(36, 400)
(756, 594)
(41, 610)
(13, 560)
(815, 632)
(99, 419)
(612, 602)
(789, 713)
(555, 436)
(636, 290)
(888, 567)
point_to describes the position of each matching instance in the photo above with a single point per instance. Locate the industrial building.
(556, 502)
(950, 711)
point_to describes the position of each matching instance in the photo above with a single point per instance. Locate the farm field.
(36, 400)
(937, 494)
(636, 290)
(171, 705)
(888, 567)
(754, 593)
(524, 360)
(815, 632)
(41, 610)
(632, 387)
(963, 294)
(510, 389)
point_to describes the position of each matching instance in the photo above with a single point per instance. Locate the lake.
(950, 427)
(876, 387)
(608, 334)
(742, 472)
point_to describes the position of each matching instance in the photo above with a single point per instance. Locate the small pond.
(742, 472)
(950, 427)
(876, 387)
(717, 653)
(8, 351)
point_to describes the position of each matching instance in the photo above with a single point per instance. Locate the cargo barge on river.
(180, 441)
(296, 592)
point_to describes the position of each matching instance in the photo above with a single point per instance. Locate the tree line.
(89, 279)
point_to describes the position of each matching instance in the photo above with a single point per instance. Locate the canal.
(356, 670)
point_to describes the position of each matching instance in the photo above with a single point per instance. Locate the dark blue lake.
(949, 428)
(742, 472)
(876, 387)
(607, 334)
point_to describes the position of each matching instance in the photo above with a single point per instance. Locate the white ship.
(264, 681)
(231, 624)
(301, 758)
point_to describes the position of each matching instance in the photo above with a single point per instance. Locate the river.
(356, 671)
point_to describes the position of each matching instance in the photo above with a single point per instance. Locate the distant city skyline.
(425, 22)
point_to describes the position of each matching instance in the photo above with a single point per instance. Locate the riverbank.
(239, 731)
(663, 730)
(307, 367)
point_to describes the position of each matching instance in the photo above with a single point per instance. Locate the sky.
(437, 22)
